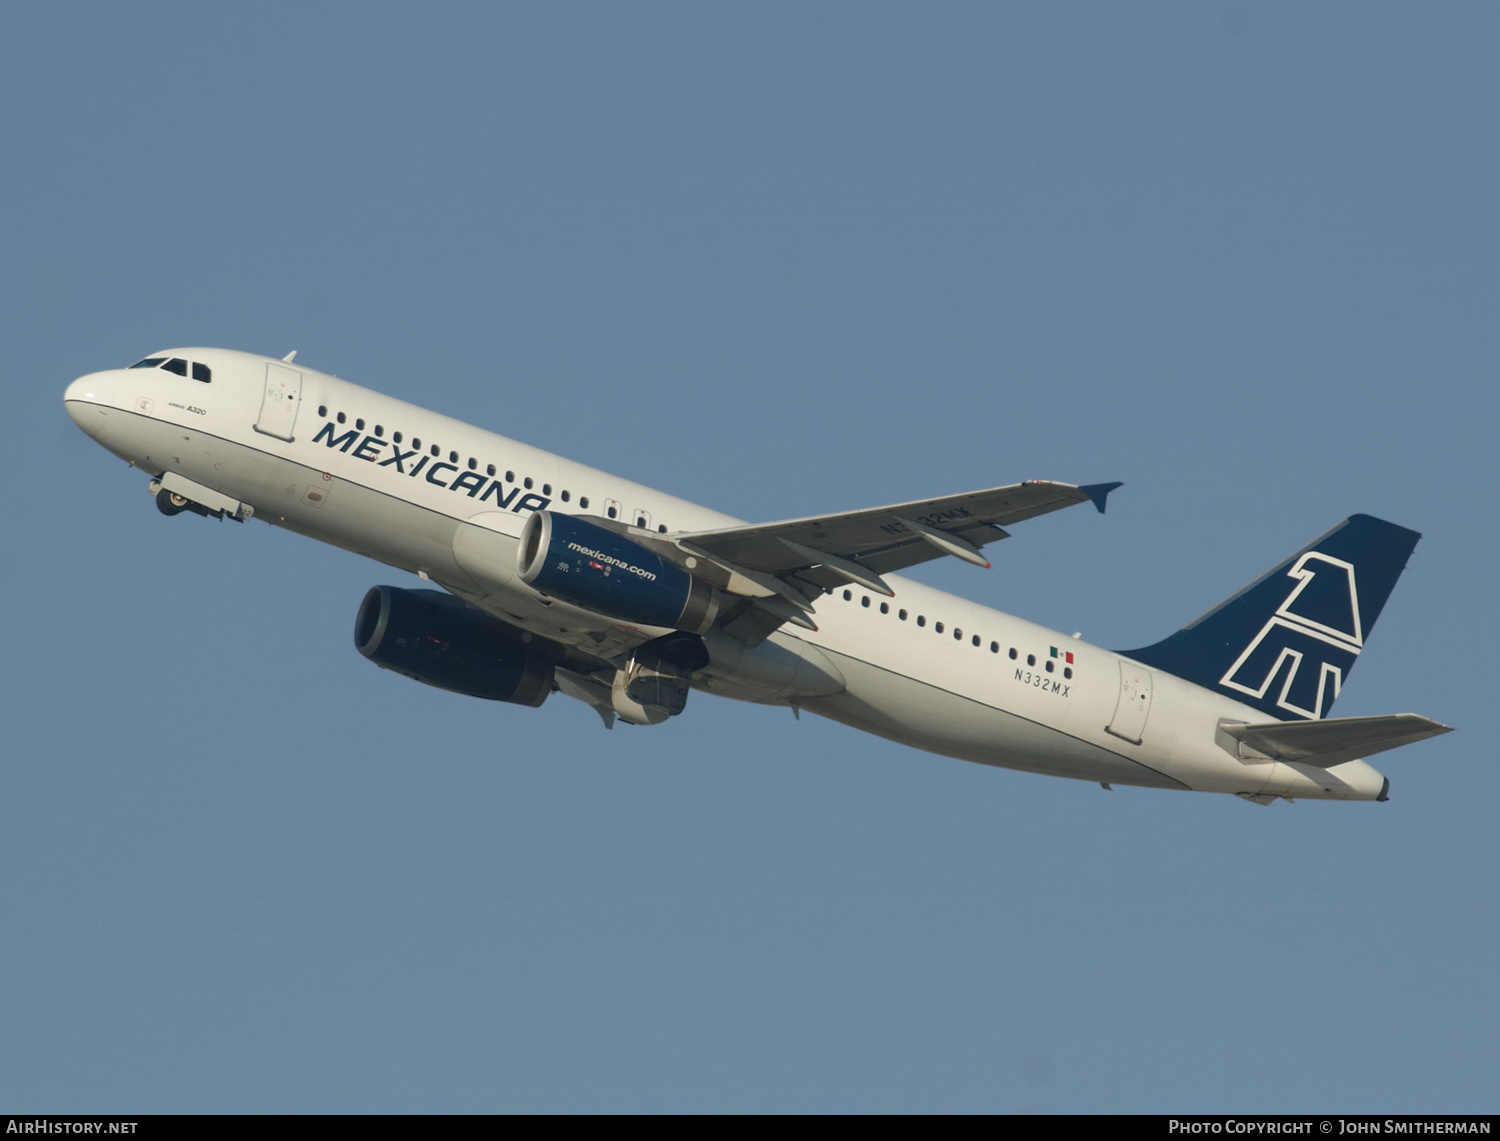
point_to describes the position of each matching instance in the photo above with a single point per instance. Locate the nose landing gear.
(171, 503)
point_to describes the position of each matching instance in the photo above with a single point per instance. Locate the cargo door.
(278, 407)
(1134, 705)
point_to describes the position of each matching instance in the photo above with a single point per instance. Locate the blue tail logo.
(1286, 643)
(1291, 636)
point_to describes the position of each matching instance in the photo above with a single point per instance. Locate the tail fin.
(1286, 643)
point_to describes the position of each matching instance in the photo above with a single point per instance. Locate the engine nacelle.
(585, 564)
(436, 639)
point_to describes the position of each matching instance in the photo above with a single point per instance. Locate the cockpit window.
(177, 365)
(149, 362)
(200, 372)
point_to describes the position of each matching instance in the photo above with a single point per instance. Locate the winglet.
(1099, 492)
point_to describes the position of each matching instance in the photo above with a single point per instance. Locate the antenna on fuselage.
(290, 357)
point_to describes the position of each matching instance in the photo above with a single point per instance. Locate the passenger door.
(278, 407)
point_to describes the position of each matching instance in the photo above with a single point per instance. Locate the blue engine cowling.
(436, 639)
(580, 562)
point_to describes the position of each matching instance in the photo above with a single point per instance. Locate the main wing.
(778, 569)
(884, 539)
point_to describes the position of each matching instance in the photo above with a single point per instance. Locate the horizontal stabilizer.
(1334, 741)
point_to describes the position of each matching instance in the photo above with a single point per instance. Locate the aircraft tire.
(169, 503)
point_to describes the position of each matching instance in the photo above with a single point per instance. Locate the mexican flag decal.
(1066, 655)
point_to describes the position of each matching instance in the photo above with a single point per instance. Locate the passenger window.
(885, 608)
(865, 601)
(848, 596)
(149, 362)
(491, 470)
(976, 639)
(340, 417)
(565, 497)
(938, 626)
(453, 457)
(359, 425)
(584, 502)
(546, 489)
(435, 450)
(1012, 653)
(662, 528)
(323, 411)
(612, 512)
(526, 483)
(994, 647)
(200, 372)
(901, 614)
(1067, 671)
(1049, 666)
(380, 430)
(921, 619)
(473, 463)
(958, 635)
(1031, 659)
(396, 436)
(177, 365)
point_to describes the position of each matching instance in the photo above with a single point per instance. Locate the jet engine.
(436, 639)
(585, 564)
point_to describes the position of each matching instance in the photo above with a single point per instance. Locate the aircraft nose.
(84, 399)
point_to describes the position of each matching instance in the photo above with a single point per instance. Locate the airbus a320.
(559, 578)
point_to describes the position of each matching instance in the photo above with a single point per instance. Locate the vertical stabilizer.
(1286, 643)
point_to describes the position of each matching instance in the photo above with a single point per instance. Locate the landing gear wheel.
(170, 503)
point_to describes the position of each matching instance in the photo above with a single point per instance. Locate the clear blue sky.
(781, 260)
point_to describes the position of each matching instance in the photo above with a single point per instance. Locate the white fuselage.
(924, 668)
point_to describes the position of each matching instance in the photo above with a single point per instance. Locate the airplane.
(560, 578)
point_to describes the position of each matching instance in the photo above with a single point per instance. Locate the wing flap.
(1332, 741)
